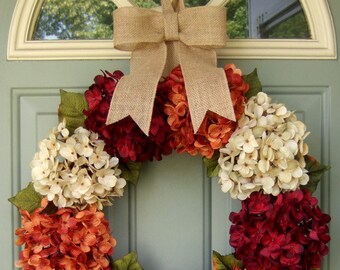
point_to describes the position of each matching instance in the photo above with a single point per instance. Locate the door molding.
(322, 45)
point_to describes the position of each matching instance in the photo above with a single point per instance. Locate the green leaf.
(254, 82)
(130, 171)
(228, 262)
(128, 262)
(212, 164)
(71, 109)
(315, 171)
(50, 209)
(27, 199)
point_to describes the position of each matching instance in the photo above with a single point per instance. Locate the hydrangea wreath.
(261, 160)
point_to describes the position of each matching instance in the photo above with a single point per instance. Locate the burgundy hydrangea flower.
(286, 232)
(125, 139)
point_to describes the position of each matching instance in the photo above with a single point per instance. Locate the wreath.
(262, 160)
(258, 152)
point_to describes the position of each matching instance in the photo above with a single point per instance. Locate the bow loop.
(172, 5)
(135, 27)
(203, 27)
(161, 40)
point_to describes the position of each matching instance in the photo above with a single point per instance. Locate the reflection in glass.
(155, 3)
(275, 19)
(74, 19)
(92, 19)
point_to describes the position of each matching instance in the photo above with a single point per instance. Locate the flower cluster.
(287, 232)
(74, 171)
(124, 139)
(262, 162)
(265, 152)
(68, 239)
(215, 130)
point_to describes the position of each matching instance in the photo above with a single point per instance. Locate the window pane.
(74, 19)
(293, 27)
(155, 3)
(274, 19)
(237, 19)
(92, 19)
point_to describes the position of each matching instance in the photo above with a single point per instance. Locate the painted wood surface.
(175, 215)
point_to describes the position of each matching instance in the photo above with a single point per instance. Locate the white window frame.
(322, 44)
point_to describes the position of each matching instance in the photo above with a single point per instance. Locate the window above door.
(257, 29)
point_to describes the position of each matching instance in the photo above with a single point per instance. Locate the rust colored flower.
(171, 126)
(284, 232)
(215, 130)
(68, 239)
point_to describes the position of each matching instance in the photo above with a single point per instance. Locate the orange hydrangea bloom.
(215, 130)
(68, 239)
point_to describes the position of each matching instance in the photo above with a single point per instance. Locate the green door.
(176, 215)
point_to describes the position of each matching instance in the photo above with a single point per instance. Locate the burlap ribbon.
(159, 41)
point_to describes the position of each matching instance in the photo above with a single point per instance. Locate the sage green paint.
(174, 229)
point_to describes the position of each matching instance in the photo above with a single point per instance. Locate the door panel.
(176, 215)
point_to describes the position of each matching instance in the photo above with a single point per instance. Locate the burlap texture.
(159, 41)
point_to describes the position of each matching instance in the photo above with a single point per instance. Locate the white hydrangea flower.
(75, 170)
(82, 147)
(266, 152)
(99, 158)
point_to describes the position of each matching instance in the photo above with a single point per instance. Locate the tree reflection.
(92, 19)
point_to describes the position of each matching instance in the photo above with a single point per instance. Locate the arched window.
(79, 29)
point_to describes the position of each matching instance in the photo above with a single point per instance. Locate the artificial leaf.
(130, 171)
(27, 199)
(254, 82)
(71, 109)
(228, 262)
(128, 262)
(50, 209)
(315, 171)
(212, 164)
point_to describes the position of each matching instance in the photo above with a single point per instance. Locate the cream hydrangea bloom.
(266, 152)
(74, 171)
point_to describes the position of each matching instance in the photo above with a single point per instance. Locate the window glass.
(92, 19)
(155, 3)
(263, 19)
(74, 19)
(294, 27)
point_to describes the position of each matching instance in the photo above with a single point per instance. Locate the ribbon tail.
(135, 93)
(206, 85)
(172, 59)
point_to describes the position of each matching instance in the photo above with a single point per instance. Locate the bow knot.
(159, 41)
(171, 27)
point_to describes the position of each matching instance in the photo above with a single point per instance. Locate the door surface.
(176, 215)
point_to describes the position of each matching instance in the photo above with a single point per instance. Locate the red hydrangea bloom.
(68, 239)
(125, 139)
(287, 232)
(215, 130)
(171, 126)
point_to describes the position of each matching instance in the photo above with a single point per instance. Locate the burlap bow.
(159, 41)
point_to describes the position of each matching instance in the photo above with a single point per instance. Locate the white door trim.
(322, 45)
